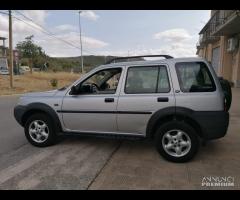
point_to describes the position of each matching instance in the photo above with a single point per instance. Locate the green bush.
(54, 82)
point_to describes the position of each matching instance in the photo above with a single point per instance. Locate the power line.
(44, 30)
(5, 13)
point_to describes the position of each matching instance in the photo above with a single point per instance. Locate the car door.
(196, 87)
(96, 111)
(146, 90)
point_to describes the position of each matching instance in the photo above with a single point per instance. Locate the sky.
(106, 32)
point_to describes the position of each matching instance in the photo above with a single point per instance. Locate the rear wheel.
(39, 130)
(177, 141)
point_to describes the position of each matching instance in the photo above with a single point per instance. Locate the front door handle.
(162, 99)
(109, 100)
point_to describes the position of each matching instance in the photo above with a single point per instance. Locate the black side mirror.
(86, 89)
(73, 90)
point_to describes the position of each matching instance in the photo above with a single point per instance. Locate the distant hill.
(68, 63)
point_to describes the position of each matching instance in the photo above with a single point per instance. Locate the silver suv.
(177, 102)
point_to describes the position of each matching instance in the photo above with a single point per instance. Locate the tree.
(34, 53)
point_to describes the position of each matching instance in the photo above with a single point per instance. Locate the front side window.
(194, 77)
(102, 82)
(150, 79)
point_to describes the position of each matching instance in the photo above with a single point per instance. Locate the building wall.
(236, 68)
(206, 52)
(208, 55)
(229, 63)
(213, 12)
(238, 71)
(225, 60)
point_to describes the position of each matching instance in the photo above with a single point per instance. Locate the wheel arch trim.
(34, 108)
(172, 113)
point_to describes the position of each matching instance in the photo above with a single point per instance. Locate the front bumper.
(18, 113)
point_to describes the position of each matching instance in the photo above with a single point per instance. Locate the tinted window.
(147, 80)
(194, 77)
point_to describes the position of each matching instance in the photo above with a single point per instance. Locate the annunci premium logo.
(222, 181)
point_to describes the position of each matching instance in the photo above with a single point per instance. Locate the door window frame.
(92, 74)
(209, 72)
(149, 93)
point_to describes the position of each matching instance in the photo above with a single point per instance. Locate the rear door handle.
(109, 100)
(162, 99)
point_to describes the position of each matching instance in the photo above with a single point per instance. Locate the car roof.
(152, 62)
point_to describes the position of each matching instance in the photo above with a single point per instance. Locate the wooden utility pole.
(10, 50)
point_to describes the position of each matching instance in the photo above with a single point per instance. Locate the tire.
(226, 86)
(167, 146)
(44, 125)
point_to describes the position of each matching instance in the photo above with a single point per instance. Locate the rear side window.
(151, 79)
(194, 77)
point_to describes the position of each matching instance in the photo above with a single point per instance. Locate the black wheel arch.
(41, 108)
(162, 116)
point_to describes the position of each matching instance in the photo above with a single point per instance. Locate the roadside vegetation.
(34, 56)
(47, 72)
(37, 81)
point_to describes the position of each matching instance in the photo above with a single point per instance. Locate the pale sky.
(116, 32)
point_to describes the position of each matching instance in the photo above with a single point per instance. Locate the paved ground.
(88, 163)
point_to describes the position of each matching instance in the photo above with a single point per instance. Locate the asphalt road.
(23, 166)
(11, 136)
(91, 163)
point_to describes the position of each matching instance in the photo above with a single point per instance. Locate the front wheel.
(177, 141)
(39, 130)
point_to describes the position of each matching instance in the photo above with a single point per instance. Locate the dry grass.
(38, 81)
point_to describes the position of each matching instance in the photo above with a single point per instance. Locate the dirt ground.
(38, 81)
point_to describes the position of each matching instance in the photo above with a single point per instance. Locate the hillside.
(68, 63)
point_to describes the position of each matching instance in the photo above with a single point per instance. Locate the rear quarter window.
(194, 77)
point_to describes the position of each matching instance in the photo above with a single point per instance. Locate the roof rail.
(120, 58)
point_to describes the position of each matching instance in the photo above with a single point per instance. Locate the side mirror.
(86, 89)
(73, 90)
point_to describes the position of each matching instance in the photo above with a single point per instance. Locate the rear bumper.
(18, 113)
(214, 124)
